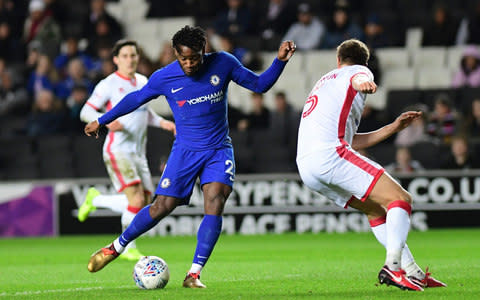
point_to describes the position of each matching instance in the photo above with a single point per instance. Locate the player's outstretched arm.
(368, 139)
(263, 82)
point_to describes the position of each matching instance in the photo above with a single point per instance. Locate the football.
(151, 272)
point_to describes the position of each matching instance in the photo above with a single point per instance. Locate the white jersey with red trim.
(107, 94)
(332, 112)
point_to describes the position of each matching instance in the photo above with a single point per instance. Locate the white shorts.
(126, 169)
(348, 175)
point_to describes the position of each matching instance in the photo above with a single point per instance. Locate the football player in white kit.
(328, 162)
(124, 150)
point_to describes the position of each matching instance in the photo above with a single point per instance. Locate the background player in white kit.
(124, 150)
(328, 163)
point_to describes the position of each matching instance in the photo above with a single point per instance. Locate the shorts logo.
(214, 80)
(165, 183)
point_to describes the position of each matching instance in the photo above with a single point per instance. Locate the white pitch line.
(80, 289)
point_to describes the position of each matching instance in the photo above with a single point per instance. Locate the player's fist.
(92, 128)
(286, 50)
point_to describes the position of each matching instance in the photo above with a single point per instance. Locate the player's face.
(127, 60)
(189, 60)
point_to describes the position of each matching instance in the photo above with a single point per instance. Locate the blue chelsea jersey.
(198, 102)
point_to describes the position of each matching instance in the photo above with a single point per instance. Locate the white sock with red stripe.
(127, 217)
(117, 203)
(379, 229)
(398, 225)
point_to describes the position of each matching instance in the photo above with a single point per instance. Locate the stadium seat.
(465, 97)
(383, 153)
(271, 154)
(295, 65)
(454, 57)
(58, 166)
(392, 58)
(159, 145)
(239, 97)
(399, 78)
(398, 100)
(429, 57)
(88, 156)
(379, 99)
(429, 96)
(319, 62)
(434, 77)
(428, 154)
(239, 138)
(167, 27)
(413, 38)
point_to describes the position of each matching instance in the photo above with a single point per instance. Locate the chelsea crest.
(214, 80)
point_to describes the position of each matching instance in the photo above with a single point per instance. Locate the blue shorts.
(184, 166)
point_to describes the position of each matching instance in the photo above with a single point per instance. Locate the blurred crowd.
(53, 52)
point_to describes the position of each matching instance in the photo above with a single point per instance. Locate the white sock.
(116, 244)
(117, 203)
(408, 261)
(397, 227)
(127, 218)
(195, 268)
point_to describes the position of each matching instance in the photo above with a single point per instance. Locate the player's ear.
(115, 60)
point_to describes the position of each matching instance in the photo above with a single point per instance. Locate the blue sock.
(140, 224)
(207, 237)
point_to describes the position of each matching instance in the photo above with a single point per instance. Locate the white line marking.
(71, 290)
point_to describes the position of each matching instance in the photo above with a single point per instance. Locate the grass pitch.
(290, 266)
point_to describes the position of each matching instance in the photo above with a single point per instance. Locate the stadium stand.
(411, 73)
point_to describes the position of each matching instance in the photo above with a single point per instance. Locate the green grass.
(290, 266)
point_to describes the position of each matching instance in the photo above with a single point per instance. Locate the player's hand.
(405, 119)
(286, 50)
(92, 128)
(115, 126)
(169, 126)
(367, 87)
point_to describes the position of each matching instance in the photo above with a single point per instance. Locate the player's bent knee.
(162, 206)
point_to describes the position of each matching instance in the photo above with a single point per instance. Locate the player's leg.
(137, 199)
(376, 215)
(353, 175)
(146, 218)
(217, 180)
(177, 181)
(215, 196)
(388, 193)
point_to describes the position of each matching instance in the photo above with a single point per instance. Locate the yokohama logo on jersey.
(213, 98)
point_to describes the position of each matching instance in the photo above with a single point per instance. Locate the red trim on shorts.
(135, 182)
(90, 104)
(378, 221)
(347, 105)
(374, 182)
(402, 204)
(133, 209)
(350, 156)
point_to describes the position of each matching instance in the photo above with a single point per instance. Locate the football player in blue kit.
(195, 86)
